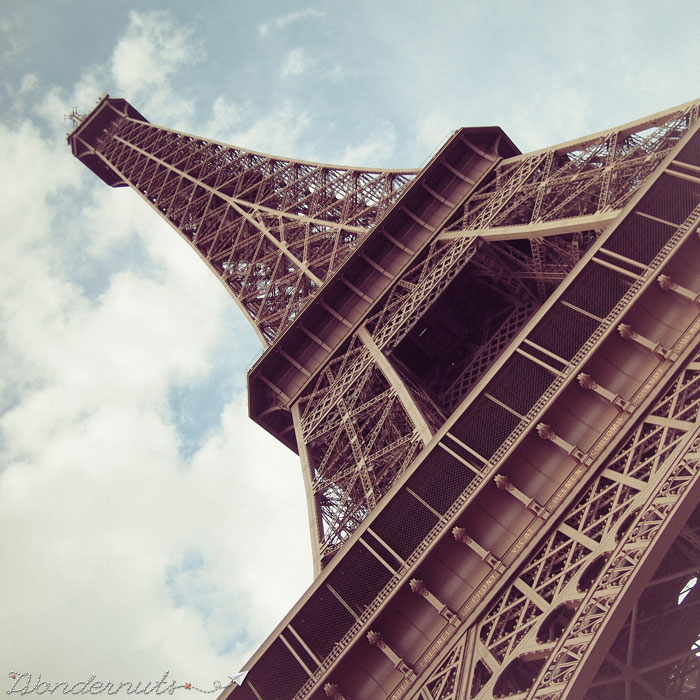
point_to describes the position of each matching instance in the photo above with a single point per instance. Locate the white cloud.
(98, 503)
(559, 114)
(102, 512)
(277, 133)
(434, 128)
(376, 148)
(295, 63)
(150, 52)
(225, 116)
(29, 82)
(145, 60)
(267, 28)
(14, 41)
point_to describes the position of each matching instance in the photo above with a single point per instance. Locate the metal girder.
(426, 396)
(273, 230)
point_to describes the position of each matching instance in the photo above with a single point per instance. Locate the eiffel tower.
(490, 369)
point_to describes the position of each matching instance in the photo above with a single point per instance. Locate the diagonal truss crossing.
(272, 229)
(489, 369)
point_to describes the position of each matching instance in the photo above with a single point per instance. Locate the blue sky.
(141, 511)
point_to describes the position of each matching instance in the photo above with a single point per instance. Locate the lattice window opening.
(432, 414)
(555, 622)
(561, 253)
(561, 202)
(557, 570)
(343, 490)
(549, 561)
(507, 645)
(511, 628)
(462, 319)
(387, 467)
(481, 675)
(683, 394)
(443, 688)
(643, 461)
(518, 676)
(337, 534)
(339, 496)
(591, 572)
(502, 617)
(460, 379)
(600, 514)
(659, 639)
(429, 275)
(655, 442)
(479, 209)
(624, 180)
(509, 268)
(370, 417)
(689, 399)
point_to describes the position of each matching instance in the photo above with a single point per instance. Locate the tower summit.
(490, 369)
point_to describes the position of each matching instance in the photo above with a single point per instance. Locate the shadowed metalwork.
(490, 369)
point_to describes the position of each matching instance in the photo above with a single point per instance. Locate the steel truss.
(272, 229)
(534, 641)
(543, 589)
(583, 171)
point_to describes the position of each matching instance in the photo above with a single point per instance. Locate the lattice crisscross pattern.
(272, 229)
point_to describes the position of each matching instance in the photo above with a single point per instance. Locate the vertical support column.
(419, 588)
(628, 333)
(397, 384)
(547, 433)
(333, 691)
(460, 535)
(315, 524)
(587, 382)
(505, 484)
(377, 640)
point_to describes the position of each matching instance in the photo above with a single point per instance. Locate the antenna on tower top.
(74, 116)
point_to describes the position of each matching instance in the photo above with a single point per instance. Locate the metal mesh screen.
(597, 290)
(243, 693)
(359, 578)
(691, 153)
(639, 238)
(671, 199)
(322, 622)
(440, 479)
(484, 426)
(563, 331)
(277, 672)
(378, 546)
(403, 523)
(520, 383)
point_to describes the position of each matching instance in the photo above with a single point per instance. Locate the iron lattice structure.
(490, 369)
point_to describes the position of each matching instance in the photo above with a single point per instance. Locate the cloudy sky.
(141, 512)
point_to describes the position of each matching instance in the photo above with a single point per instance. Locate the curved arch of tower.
(490, 369)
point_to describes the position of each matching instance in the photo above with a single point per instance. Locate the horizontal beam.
(537, 229)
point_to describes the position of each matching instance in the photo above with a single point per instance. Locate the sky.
(148, 526)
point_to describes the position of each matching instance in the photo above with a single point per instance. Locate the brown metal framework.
(491, 371)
